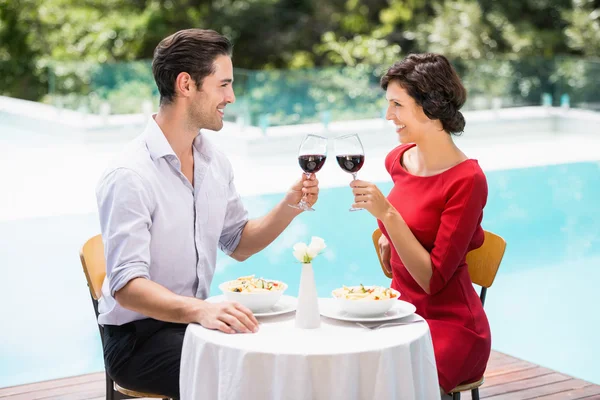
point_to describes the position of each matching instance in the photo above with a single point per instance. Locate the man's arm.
(155, 301)
(125, 207)
(260, 232)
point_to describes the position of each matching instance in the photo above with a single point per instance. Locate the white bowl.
(255, 301)
(366, 307)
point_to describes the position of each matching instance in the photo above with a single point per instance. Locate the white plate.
(285, 305)
(330, 308)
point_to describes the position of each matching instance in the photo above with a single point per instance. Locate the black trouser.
(145, 355)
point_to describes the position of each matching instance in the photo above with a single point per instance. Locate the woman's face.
(407, 116)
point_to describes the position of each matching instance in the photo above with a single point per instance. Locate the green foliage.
(83, 53)
(94, 30)
(361, 49)
(20, 73)
(583, 31)
(458, 31)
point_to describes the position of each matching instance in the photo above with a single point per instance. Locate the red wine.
(311, 163)
(351, 163)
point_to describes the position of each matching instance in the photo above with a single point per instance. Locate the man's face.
(208, 106)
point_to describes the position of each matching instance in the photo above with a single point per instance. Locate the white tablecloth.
(339, 360)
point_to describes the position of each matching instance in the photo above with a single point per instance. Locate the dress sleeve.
(391, 158)
(125, 208)
(460, 223)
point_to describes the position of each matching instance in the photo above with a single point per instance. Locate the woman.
(432, 216)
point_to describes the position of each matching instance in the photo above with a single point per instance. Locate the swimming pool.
(542, 306)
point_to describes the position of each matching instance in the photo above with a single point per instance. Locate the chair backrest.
(94, 266)
(376, 235)
(483, 262)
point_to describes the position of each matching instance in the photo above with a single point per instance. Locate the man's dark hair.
(434, 85)
(191, 50)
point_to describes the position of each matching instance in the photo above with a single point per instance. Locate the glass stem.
(305, 195)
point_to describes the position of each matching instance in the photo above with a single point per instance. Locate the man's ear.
(184, 84)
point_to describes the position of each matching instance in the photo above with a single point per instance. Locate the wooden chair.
(94, 268)
(483, 265)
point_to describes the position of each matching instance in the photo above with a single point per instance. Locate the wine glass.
(350, 155)
(311, 157)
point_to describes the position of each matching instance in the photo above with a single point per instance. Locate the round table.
(339, 360)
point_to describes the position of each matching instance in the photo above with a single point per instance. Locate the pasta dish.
(250, 284)
(365, 293)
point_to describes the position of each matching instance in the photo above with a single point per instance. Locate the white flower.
(304, 253)
(316, 246)
(300, 250)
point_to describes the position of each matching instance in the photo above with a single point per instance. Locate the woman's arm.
(459, 221)
(414, 256)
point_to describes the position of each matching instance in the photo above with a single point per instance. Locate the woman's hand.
(368, 196)
(385, 253)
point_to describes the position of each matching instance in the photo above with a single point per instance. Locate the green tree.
(583, 31)
(65, 44)
(528, 27)
(458, 31)
(20, 74)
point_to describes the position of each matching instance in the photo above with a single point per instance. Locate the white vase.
(307, 311)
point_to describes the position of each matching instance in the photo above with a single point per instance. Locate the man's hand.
(228, 317)
(385, 252)
(302, 186)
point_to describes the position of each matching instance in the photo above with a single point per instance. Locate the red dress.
(444, 213)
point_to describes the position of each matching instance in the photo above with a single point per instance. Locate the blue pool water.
(542, 306)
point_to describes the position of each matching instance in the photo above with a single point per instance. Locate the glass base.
(302, 205)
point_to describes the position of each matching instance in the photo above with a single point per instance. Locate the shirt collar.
(203, 147)
(159, 146)
(157, 143)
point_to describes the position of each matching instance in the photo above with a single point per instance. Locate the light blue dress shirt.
(156, 225)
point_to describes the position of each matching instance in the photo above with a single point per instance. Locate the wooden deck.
(506, 378)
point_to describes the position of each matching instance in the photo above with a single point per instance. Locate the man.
(165, 206)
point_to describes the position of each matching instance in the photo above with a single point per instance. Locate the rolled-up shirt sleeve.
(236, 218)
(124, 207)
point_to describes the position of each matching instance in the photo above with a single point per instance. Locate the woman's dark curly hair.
(435, 86)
